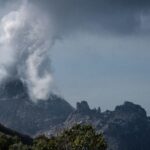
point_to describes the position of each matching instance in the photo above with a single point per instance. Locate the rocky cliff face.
(18, 112)
(125, 128)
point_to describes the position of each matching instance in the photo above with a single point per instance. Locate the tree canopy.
(79, 137)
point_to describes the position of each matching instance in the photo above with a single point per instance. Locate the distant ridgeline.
(125, 128)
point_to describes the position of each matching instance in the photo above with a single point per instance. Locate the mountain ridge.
(127, 127)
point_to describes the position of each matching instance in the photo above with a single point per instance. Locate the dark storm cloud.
(116, 16)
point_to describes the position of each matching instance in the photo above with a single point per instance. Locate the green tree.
(43, 143)
(19, 146)
(6, 141)
(82, 137)
(79, 137)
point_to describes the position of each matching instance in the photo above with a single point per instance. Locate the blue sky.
(104, 70)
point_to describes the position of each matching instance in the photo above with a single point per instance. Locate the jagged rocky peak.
(83, 107)
(127, 128)
(130, 108)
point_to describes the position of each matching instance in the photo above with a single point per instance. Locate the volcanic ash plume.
(25, 41)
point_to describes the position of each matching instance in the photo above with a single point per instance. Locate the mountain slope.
(8, 132)
(18, 112)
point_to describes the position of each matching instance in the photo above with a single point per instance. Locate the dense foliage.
(79, 137)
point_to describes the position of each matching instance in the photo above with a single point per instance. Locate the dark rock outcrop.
(83, 107)
(127, 128)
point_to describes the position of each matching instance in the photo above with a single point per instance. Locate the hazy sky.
(101, 51)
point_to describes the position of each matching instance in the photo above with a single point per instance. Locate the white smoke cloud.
(26, 37)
